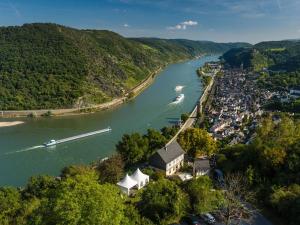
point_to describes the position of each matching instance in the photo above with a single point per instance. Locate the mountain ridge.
(273, 55)
(44, 65)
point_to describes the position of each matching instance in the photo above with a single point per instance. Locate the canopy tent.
(140, 178)
(126, 184)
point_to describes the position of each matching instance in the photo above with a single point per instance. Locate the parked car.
(208, 218)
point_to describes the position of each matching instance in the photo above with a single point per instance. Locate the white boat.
(179, 88)
(50, 143)
(179, 98)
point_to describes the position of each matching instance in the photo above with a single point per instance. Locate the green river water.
(20, 156)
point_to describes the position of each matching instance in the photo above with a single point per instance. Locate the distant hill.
(275, 55)
(53, 66)
(191, 47)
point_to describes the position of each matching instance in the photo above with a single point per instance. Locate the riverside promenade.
(193, 115)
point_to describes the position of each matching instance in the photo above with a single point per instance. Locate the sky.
(214, 20)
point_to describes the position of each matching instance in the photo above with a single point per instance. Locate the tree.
(169, 132)
(274, 143)
(111, 170)
(39, 186)
(74, 170)
(236, 195)
(163, 201)
(10, 204)
(286, 201)
(197, 141)
(133, 217)
(202, 195)
(292, 166)
(156, 140)
(133, 148)
(82, 200)
(270, 164)
(184, 117)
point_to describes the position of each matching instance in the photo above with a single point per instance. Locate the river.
(19, 159)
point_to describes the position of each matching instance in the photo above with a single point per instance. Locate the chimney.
(166, 149)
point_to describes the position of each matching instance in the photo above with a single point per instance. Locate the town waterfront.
(21, 158)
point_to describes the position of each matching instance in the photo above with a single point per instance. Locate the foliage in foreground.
(163, 201)
(203, 196)
(271, 164)
(79, 197)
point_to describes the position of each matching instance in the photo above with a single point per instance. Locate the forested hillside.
(276, 62)
(274, 55)
(52, 66)
(271, 163)
(189, 46)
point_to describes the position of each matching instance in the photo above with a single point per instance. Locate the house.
(201, 167)
(169, 158)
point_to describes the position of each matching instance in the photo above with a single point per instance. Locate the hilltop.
(49, 66)
(274, 55)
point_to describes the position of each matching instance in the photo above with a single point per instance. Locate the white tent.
(140, 178)
(126, 184)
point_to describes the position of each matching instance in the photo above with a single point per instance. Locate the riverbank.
(131, 94)
(10, 124)
(196, 111)
(77, 111)
(150, 109)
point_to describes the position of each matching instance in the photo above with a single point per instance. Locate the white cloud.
(183, 25)
(177, 27)
(190, 23)
(126, 25)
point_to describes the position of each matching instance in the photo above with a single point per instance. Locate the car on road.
(208, 218)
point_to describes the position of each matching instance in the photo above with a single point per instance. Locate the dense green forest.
(52, 66)
(273, 55)
(271, 164)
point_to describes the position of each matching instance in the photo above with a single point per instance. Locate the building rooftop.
(201, 164)
(170, 152)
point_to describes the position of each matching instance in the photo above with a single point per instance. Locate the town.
(235, 104)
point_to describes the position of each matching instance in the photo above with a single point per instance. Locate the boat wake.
(174, 103)
(178, 99)
(55, 142)
(178, 88)
(25, 150)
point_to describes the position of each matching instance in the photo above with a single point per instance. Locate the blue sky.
(216, 20)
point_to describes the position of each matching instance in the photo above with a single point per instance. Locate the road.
(193, 116)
